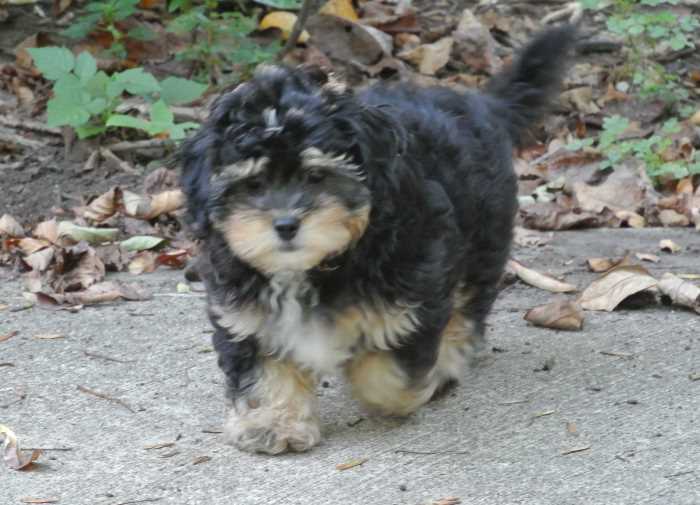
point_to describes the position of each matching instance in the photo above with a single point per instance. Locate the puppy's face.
(292, 212)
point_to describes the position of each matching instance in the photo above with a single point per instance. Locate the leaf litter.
(13, 456)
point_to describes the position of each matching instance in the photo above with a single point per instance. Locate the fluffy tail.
(526, 88)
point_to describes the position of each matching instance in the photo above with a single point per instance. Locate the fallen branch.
(307, 8)
(28, 124)
(121, 147)
(109, 156)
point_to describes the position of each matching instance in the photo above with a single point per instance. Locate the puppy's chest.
(290, 322)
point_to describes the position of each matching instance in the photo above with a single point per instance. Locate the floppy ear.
(197, 158)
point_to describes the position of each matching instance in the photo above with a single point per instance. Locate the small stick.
(402, 451)
(108, 155)
(304, 13)
(28, 124)
(145, 500)
(106, 397)
(121, 147)
(47, 448)
(102, 356)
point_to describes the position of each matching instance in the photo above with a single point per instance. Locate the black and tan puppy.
(358, 232)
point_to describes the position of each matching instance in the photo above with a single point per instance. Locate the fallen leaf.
(143, 262)
(141, 243)
(538, 279)
(610, 289)
(183, 288)
(49, 336)
(429, 58)
(12, 455)
(474, 45)
(552, 216)
(150, 207)
(201, 459)
(88, 234)
(102, 292)
(32, 281)
(449, 500)
(680, 292)
(160, 180)
(561, 314)
(283, 21)
(9, 227)
(653, 258)
(77, 267)
(576, 449)
(528, 238)
(114, 258)
(38, 500)
(599, 265)
(161, 445)
(47, 230)
(40, 260)
(347, 41)
(340, 8)
(571, 428)
(31, 245)
(351, 464)
(8, 336)
(173, 259)
(670, 217)
(669, 246)
(694, 377)
(104, 206)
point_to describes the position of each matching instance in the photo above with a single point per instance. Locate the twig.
(672, 475)
(108, 358)
(623, 355)
(306, 8)
(121, 147)
(108, 155)
(47, 449)
(145, 500)
(28, 124)
(13, 138)
(106, 397)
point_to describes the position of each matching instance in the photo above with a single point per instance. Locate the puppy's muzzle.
(286, 227)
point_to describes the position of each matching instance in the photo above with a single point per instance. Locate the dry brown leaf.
(31, 245)
(351, 464)
(201, 459)
(670, 217)
(681, 292)
(98, 293)
(32, 281)
(653, 258)
(77, 267)
(474, 45)
(47, 230)
(529, 238)
(143, 262)
(669, 246)
(561, 314)
(174, 259)
(114, 257)
(9, 227)
(448, 500)
(632, 219)
(8, 336)
(610, 289)
(571, 428)
(553, 216)
(160, 180)
(347, 41)
(581, 99)
(104, 206)
(283, 21)
(145, 207)
(161, 445)
(599, 265)
(429, 58)
(12, 455)
(36, 501)
(40, 260)
(538, 279)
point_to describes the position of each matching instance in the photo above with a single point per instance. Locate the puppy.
(357, 232)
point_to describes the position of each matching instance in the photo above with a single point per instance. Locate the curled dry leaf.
(653, 258)
(12, 455)
(141, 243)
(449, 500)
(351, 464)
(284, 22)
(669, 246)
(348, 41)
(143, 262)
(104, 206)
(539, 280)
(429, 58)
(681, 292)
(77, 267)
(40, 260)
(98, 293)
(599, 265)
(31, 245)
(610, 289)
(340, 8)
(47, 230)
(670, 217)
(145, 207)
(9, 227)
(561, 314)
(174, 259)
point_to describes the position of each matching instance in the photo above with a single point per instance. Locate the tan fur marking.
(246, 168)
(278, 414)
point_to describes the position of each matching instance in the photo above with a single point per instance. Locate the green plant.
(644, 27)
(105, 15)
(220, 41)
(86, 99)
(615, 148)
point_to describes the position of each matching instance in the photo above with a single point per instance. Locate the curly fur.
(397, 301)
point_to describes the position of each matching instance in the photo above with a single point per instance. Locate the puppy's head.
(280, 169)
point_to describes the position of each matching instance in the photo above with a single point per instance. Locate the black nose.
(286, 227)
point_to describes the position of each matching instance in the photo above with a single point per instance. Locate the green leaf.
(175, 90)
(97, 85)
(52, 62)
(142, 33)
(141, 243)
(187, 22)
(182, 5)
(671, 126)
(96, 106)
(281, 4)
(85, 66)
(64, 112)
(137, 82)
(82, 27)
(89, 130)
(90, 235)
(160, 113)
(125, 121)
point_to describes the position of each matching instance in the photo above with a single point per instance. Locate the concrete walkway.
(621, 391)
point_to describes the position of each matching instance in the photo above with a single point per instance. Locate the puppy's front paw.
(265, 432)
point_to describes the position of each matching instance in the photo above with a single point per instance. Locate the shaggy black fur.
(438, 168)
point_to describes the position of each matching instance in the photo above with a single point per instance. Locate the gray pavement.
(498, 439)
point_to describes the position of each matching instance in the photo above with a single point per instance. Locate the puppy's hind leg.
(272, 405)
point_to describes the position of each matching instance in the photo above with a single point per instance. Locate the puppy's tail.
(526, 87)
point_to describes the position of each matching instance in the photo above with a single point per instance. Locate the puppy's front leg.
(272, 403)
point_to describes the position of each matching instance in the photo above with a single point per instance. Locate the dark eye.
(316, 177)
(253, 183)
